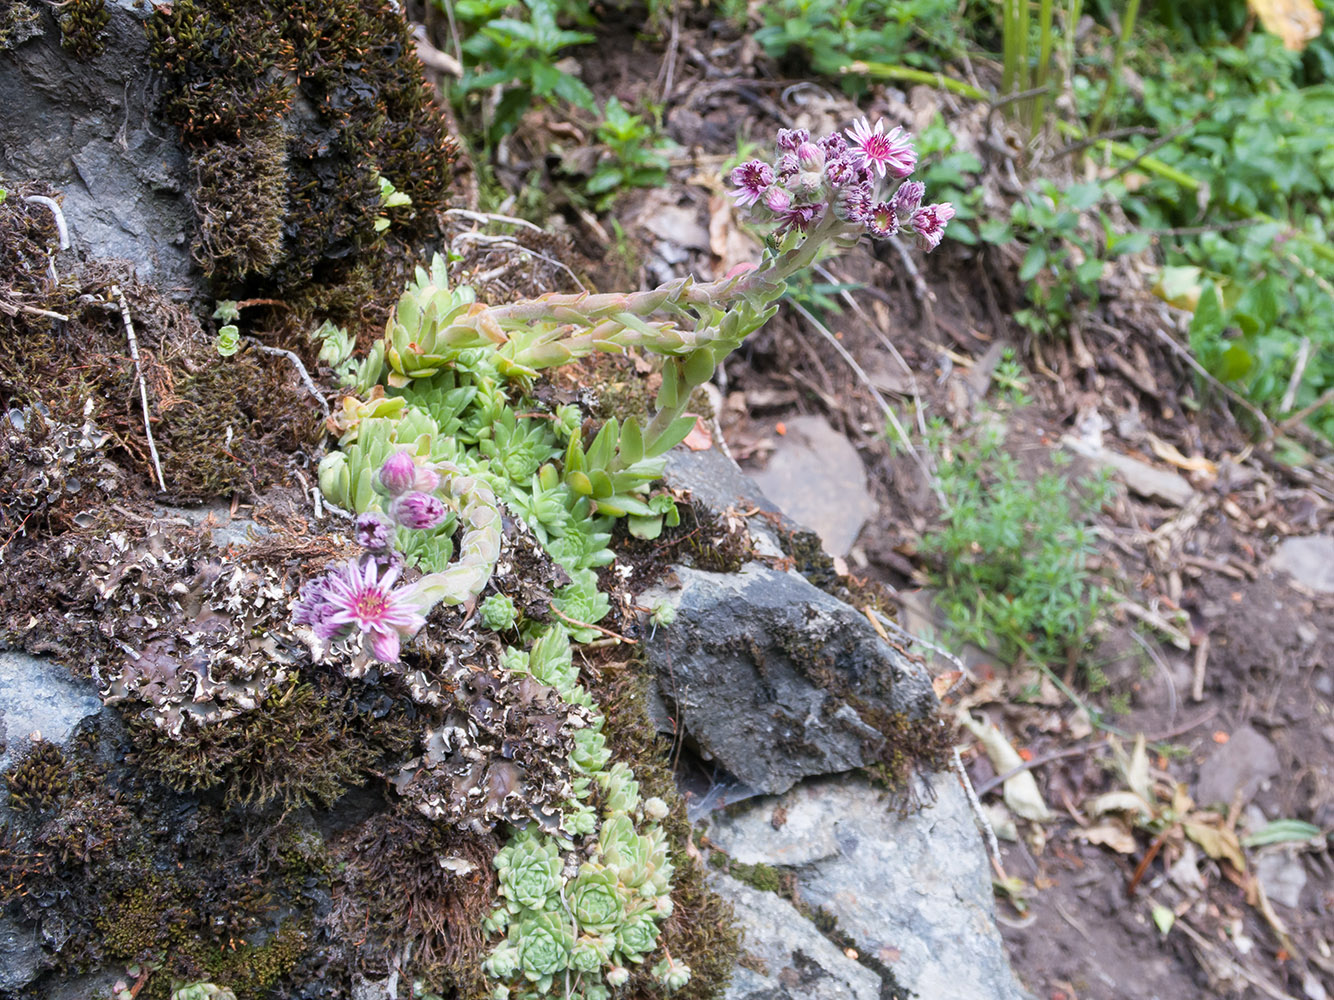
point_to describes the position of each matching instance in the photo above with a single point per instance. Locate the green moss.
(253, 971)
(290, 211)
(240, 196)
(82, 23)
(765, 878)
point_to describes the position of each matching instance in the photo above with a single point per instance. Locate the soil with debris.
(1210, 648)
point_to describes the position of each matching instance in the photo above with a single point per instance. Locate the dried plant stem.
(885, 408)
(306, 380)
(143, 386)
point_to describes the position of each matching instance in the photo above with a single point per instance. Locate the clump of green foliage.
(633, 156)
(518, 54)
(1011, 554)
(826, 35)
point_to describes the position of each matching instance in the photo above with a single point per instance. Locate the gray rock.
(816, 476)
(913, 892)
(1309, 560)
(797, 961)
(37, 695)
(1245, 762)
(718, 483)
(20, 954)
(1283, 876)
(89, 131)
(745, 672)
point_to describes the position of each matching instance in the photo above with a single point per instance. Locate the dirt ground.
(1208, 647)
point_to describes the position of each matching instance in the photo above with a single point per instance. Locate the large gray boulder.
(913, 892)
(756, 670)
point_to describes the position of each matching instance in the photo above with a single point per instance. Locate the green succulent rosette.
(545, 943)
(529, 868)
(591, 953)
(636, 937)
(620, 791)
(596, 899)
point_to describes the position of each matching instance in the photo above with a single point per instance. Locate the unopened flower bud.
(374, 531)
(398, 473)
(655, 808)
(418, 511)
(617, 975)
(907, 199)
(777, 200)
(810, 157)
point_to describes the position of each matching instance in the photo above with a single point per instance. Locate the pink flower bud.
(810, 157)
(777, 200)
(418, 511)
(398, 474)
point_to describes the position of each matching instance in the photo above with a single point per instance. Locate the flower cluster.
(840, 184)
(361, 595)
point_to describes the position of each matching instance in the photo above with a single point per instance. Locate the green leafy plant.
(828, 35)
(633, 156)
(1011, 553)
(1067, 245)
(518, 54)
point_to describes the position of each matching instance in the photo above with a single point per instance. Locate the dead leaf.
(1123, 801)
(1021, 791)
(1297, 22)
(1218, 843)
(944, 681)
(1118, 836)
(1170, 453)
(700, 437)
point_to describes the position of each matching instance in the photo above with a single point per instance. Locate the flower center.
(371, 606)
(877, 148)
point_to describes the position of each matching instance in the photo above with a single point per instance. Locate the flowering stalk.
(817, 195)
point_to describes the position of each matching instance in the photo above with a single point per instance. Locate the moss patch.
(82, 23)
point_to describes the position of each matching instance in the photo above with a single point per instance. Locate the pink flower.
(929, 224)
(418, 511)
(799, 217)
(356, 597)
(853, 203)
(883, 151)
(790, 139)
(881, 221)
(810, 157)
(752, 179)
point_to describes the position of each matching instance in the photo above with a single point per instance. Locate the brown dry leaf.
(1110, 833)
(700, 437)
(1297, 22)
(1170, 453)
(945, 680)
(728, 242)
(1218, 843)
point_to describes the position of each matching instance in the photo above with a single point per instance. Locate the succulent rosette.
(529, 868)
(595, 897)
(544, 942)
(636, 937)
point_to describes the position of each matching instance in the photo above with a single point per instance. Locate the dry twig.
(143, 386)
